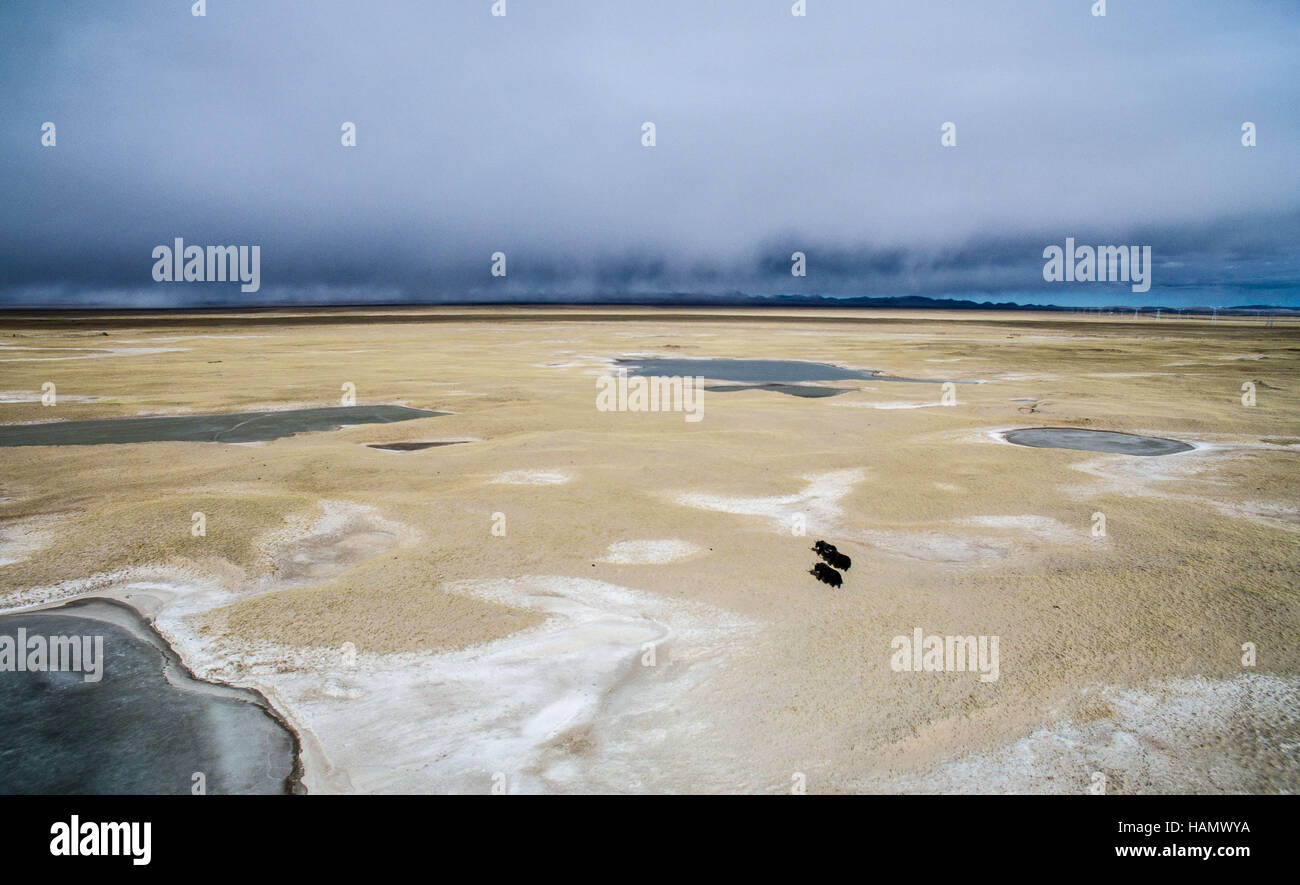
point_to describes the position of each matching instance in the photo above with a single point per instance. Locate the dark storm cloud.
(523, 134)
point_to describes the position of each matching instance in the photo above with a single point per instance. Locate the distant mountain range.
(671, 299)
(894, 302)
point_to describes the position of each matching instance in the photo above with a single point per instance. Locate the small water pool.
(752, 371)
(230, 427)
(415, 446)
(1095, 441)
(807, 391)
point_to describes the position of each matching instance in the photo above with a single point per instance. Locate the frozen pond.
(807, 391)
(752, 371)
(231, 427)
(1095, 441)
(145, 726)
(415, 446)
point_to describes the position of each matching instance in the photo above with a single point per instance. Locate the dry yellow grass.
(381, 607)
(1201, 553)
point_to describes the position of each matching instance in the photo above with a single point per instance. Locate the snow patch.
(533, 477)
(650, 552)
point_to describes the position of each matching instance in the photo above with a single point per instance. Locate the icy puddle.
(415, 446)
(758, 372)
(232, 427)
(807, 391)
(1095, 441)
(139, 725)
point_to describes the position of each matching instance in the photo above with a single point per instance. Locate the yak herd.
(826, 572)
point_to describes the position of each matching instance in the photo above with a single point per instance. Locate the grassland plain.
(1120, 654)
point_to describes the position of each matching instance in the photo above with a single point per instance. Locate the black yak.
(829, 553)
(840, 561)
(826, 574)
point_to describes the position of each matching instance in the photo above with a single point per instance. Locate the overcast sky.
(523, 134)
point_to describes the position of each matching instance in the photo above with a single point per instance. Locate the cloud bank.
(522, 134)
